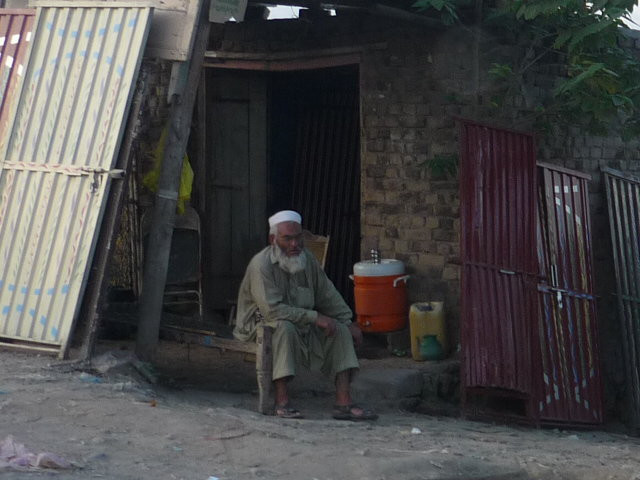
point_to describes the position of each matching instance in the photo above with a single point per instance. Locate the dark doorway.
(315, 167)
(278, 141)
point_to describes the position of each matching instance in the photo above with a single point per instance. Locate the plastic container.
(426, 318)
(430, 348)
(380, 291)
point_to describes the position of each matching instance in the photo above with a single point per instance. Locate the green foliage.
(600, 89)
(501, 71)
(448, 9)
(442, 166)
(579, 40)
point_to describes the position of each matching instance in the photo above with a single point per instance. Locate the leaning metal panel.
(623, 199)
(55, 163)
(570, 388)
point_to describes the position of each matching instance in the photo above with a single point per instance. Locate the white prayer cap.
(284, 216)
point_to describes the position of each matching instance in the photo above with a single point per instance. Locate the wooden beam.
(293, 55)
(164, 210)
(286, 65)
(207, 339)
(26, 346)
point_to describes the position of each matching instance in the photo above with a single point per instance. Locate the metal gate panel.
(623, 199)
(571, 384)
(15, 38)
(498, 192)
(56, 161)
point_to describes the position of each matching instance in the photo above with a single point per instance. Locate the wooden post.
(164, 211)
(264, 370)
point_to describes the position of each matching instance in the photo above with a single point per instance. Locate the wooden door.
(235, 225)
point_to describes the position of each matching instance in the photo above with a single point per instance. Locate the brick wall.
(413, 82)
(408, 97)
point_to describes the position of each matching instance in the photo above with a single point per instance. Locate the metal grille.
(570, 388)
(623, 198)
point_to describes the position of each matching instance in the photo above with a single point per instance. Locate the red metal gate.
(498, 212)
(528, 315)
(570, 390)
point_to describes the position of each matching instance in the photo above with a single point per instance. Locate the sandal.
(287, 411)
(353, 412)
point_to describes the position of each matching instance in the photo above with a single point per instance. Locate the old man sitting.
(285, 288)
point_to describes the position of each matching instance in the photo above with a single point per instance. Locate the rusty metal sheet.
(55, 164)
(528, 316)
(15, 38)
(498, 192)
(570, 388)
(623, 199)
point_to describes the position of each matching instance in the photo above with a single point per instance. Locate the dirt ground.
(200, 423)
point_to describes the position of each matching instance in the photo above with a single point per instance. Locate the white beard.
(289, 264)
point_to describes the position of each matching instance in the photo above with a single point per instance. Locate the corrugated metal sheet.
(540, 348)
(63, 141)
(498, 192)
(570, 391)
(623, 198)
(15, 38)
(326, 184)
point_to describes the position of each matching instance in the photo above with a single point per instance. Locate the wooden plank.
(200, 162)
(20, 346)
(230, 156)
(164, 212)
(257, 178)
(237, 161)
(208, 339)
(292, 55)
(285, 65)
(264, 370)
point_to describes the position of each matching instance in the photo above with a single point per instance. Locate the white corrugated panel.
(67, 128)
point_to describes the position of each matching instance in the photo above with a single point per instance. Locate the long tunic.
(279, 295)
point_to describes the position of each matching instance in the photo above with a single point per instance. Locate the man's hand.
(328, 324)
(356, 333)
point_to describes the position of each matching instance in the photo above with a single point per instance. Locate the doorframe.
(265, 63)
(288, 61)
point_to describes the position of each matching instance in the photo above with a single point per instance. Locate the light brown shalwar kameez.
(290, 303)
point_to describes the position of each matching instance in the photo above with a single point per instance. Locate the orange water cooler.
(380, 291)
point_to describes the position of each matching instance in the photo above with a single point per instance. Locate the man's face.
(289, 238)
